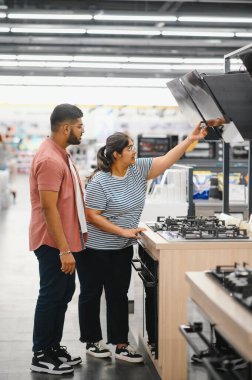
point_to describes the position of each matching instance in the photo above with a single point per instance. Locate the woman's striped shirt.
(121, 199)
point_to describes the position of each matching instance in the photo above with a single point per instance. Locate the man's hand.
(132, 233)
(68, 263)
(216, 122)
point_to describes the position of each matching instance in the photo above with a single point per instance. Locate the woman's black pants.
(109, 270)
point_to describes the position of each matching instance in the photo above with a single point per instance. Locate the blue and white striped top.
(122, 201)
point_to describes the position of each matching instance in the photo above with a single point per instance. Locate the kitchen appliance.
(189, 108)
(203, 150)
(196, 228)
(234, 93)
(197, 103)
(224, 359)
(239, 151)
(237, 280)
(208, 107)
(155, 146)
(146, 266)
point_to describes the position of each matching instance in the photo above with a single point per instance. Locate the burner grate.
(196, 228)
(237, 281)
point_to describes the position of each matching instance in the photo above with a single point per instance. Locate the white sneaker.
(98, 350)
(129, 354)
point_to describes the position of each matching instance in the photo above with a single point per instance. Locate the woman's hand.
(200, 132)
(132, 233)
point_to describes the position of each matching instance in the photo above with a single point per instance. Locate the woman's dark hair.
(64, 112)
(114, 143)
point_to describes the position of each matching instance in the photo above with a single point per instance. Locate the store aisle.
(19, 288)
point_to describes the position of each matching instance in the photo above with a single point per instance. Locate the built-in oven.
(220, 363)
(155, 146)
(203, 150)
(146, 266)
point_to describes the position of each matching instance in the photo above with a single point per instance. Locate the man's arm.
(48, 201)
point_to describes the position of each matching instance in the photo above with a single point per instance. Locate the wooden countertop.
(232, 320)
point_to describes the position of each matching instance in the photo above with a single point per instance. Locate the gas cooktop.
(237, 280)
(196, 228)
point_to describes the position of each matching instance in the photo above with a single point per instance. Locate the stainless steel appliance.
(222, 360)
(203, 150)
(196, 228)
(234, 94)
(146, 266)
(197, 103)
(237, 281)
(155, 146)
(239, 151)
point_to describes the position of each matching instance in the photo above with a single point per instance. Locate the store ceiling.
(97, 43)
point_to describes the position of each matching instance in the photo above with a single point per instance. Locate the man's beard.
(72, 139)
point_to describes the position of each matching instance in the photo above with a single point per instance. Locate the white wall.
(106, 109)
(86, 95)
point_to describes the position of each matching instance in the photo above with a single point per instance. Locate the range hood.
(234, 94)
(227, 96)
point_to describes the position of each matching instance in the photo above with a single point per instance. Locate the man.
(57, 229)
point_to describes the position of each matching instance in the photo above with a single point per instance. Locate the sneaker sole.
(127, 359)
(51, 371)
(73, 362)
(104, 355)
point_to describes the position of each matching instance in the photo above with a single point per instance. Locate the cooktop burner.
(237, 280)
(196, 228)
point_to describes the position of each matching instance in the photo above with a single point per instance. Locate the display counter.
(174, 259)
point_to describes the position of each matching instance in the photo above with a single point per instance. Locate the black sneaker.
(98, 350)
(65, 357)
(128, 354)
(47, 362)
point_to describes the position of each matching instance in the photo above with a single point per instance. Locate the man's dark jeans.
(56, 290)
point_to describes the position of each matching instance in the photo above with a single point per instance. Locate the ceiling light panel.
(124, 32)
(4, 30)
(93, 58)
(94, 65)
(239, 20)
(2, 15)
(243, 34)
(8, 57)
(155, 60)
(48, 30)
(197, 34)
(49, 16)
(104, 17)
(33, 57)
(42, 64)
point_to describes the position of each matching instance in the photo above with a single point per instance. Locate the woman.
(115, 199)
